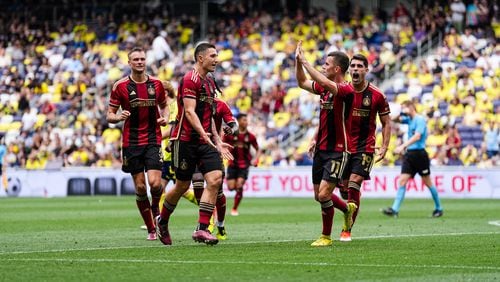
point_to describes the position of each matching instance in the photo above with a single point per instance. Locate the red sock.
(206, 210)
(221, 208)
(144, 207)
(338, 203)
(155, 201)
(167, 210)
(237, 198)
(327, 212)
(354, 197)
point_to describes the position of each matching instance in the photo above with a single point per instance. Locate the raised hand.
(299, 53)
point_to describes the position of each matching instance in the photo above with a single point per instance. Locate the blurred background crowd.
(59, 60)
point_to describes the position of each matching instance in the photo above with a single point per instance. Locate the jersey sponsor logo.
(142, 103)
(327, 106)
(360, 113)
(207, 99)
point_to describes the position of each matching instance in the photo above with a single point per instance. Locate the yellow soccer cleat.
(221, 233)
(351, 208)
(189, 195)
(323, 241)
(212, 225)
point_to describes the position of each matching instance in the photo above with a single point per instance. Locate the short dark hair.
(135, 49)
(241, 115)
(341, 59)
(362, 58)
(200, 48)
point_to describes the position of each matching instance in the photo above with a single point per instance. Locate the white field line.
(244, 242)
(494, 222)
(279, 263)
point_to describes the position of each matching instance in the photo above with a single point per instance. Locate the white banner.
(451, 182)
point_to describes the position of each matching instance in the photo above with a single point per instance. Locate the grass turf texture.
(98, 238)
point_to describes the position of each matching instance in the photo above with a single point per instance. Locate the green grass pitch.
(98, 239)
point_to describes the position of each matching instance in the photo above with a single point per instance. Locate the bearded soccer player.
(237, 171)
(192, 144)
(365, 102)
(224, 115)
(331, 140)
(141, 98)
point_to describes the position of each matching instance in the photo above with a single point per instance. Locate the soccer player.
(237, 170)
(330, 154)
(168, 173)
(415, 159)
(223, 114)
(365, 103)
(192, 144)
(141, 98)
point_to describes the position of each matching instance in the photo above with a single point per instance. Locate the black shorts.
(142, 158)
(186, 156)
(235, 172)
(416, 161)
(329, 166)
(167, 171)
(360, 164)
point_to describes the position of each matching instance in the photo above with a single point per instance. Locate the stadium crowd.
(55, 79)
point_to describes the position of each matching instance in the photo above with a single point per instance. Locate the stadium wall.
(451, 182)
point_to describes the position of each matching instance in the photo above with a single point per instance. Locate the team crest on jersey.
(366, 102)
(125, 161)
(184, 165)
(151, 91)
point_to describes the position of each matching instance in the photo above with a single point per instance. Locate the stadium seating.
(54, 85)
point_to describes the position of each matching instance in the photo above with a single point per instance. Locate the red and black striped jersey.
(142, 101)
(241, 148)
(333, 132)
(203, 90)
(363, 108)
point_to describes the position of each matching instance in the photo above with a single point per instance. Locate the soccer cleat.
(323, 241)
(162, 232)
(390, 212)
(221, 233)
(189, 195)
(152, 236)
(234, 212)
(211, 225)
(345, 236)
(437, 213)
(144, 227)
(203, 236)
(351, 208)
